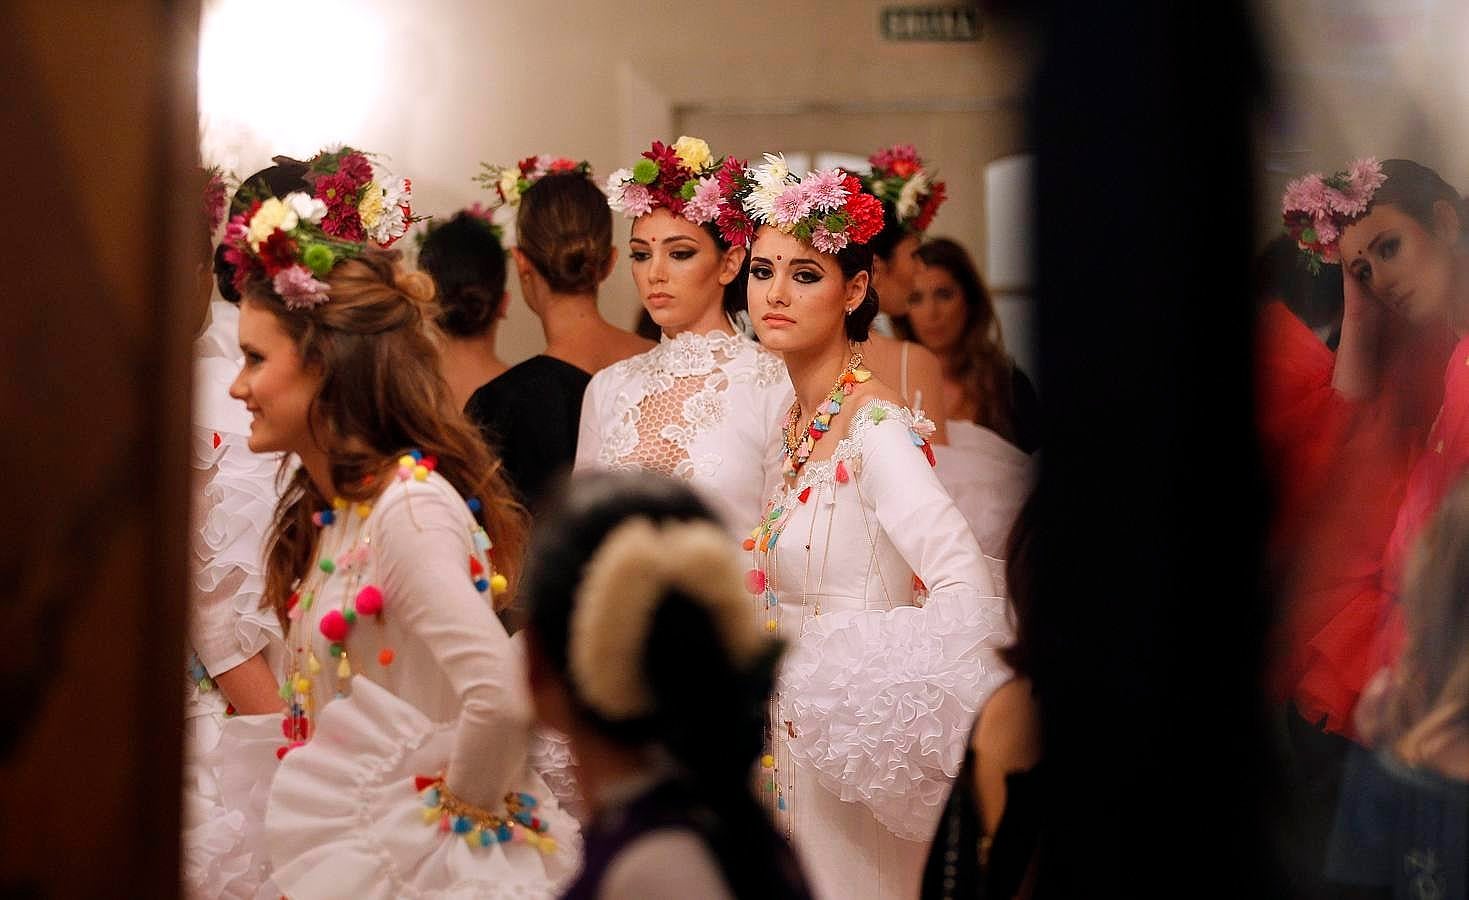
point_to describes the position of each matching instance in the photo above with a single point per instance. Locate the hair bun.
(416, 286)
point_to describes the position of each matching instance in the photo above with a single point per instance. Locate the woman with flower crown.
(402, 767)
(705, 404)
(563, 251)
(860, 560)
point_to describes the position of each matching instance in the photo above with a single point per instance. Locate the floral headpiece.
(511, 182)
(827, 208)
(898, 177)
(688, 181)
(1317, 207)
(216, 196)
(290, 242)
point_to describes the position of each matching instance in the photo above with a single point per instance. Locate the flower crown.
(898, 177)
(511, 182)
(688, 181)
(1317, 207)
(828, 208)
(290, 242)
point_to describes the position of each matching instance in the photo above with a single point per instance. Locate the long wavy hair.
(980, 362)
(1427, 708)
(382, 394)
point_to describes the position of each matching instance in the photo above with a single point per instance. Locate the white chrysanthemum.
(636, 566)
(509, 186)
(613, 190)
(771, 180)
(306, 207)
(907, 204)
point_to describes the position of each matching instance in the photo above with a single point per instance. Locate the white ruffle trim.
(882, 701)
(345, 821)
(550, 757)
(232, 517)
(225, 790)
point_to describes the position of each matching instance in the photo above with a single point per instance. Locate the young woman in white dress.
(402, 748)
(705, 404)
(860, 560)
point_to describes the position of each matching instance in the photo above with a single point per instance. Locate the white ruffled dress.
(234, 499)
(989, 479)
(432, 686)
(705, 408)
(882, 680)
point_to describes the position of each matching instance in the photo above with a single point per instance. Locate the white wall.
(461, 82)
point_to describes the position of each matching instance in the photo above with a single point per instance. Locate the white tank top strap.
(903, 372)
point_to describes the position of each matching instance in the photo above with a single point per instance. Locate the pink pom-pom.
(334, 626)
(755, 581)
(369, 601)
(842, 472)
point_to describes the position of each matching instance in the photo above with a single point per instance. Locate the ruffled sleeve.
(882, 701)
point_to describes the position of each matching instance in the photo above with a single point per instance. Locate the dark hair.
(467, 263)
(1414, 188)
(852, 259)
(709, 714)
(886, 241)
(980, 364)
(1282, 273)
(564, 227)
(735, 296)
(285, 177)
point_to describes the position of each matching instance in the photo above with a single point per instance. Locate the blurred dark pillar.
(99, 242)
(1153, 500)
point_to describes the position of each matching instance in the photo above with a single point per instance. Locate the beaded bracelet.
(480, 827)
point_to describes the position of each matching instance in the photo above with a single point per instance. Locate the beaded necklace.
(799, 444)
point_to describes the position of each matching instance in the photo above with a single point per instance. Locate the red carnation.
(278, 252)
(562, 164)
(337, 192)
(355, 168)
(930, 206)
(864, 215)
(852, 185)
(735, 225)
(730, 175)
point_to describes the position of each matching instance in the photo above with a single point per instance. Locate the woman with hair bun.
(704, 405)
(860, 560)
(402, 746)
(467, 263)
(640, 648)
(563, 252)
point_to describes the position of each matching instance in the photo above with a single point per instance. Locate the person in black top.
(467, 264)
(640, 649)
(563, 253)
(989, 832)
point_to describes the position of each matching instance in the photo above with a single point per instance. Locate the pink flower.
(827, 241)
(703, 207)
(1326, 230)
(825, 190)
(237, 230)
(900, 160)
(1306, 194)
(792, 205)
(1367, 175)
(637, 200)
(298, 289)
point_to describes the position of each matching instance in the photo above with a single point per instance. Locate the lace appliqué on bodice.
(675, 393)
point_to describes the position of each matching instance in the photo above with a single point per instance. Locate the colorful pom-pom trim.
(478, 828)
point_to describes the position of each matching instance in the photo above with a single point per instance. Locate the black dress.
(963, 862)
(530, 415)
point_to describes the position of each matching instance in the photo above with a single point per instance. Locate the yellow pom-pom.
(767, 761)
(407, 461)
(339, 503)
(498, 583)
(770, 625)
(471, 838)
(430, 815)
(303, 684)
(364, 509)
(548, 845)
(420, 473)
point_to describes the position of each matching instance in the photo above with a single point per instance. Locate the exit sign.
(931, 23)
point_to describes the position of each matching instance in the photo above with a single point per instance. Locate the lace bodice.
(704, 408)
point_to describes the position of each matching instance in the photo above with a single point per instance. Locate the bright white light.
(286, 76)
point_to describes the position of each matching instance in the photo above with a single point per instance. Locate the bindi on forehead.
(778, 257)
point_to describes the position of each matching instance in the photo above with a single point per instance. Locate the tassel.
(344, 668)
(313, 665)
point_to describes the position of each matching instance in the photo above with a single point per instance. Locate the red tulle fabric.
(1354, 486)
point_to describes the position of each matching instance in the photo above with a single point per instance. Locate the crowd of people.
(741, 604)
